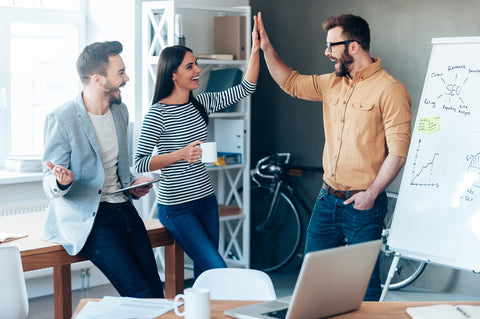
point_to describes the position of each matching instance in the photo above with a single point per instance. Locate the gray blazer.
(70, 141)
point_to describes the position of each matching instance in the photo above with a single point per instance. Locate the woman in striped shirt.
(175, 124)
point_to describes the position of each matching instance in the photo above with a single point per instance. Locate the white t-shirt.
(107, 139)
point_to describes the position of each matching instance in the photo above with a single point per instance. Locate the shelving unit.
(159, 31)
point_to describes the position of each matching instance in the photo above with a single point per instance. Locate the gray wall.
(401, 32)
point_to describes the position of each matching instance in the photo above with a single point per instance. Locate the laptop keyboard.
(282, 313)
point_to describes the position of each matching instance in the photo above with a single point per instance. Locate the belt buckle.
(340, 194)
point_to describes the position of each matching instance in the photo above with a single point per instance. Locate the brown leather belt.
(339, 194)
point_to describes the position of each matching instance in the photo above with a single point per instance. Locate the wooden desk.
(37, 253)
(368, 310)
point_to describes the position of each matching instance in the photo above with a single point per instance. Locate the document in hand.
(6, 237)
(444, 312)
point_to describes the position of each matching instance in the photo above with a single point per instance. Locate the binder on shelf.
(223, 79)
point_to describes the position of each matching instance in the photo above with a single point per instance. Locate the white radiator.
(25, 207)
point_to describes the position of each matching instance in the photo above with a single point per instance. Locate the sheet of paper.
(125, 308)
(444, 311)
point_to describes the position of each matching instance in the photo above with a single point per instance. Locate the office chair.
(14, 300)
(236, 284)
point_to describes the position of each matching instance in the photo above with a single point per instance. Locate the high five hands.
(261, 34)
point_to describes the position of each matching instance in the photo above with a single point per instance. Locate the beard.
(109, 90)
(345, 61)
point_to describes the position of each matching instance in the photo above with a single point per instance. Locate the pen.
(463, 312)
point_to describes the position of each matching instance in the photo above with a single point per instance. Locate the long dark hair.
(168, 63)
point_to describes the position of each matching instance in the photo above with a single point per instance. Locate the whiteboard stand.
(391, 273)
(439, 193)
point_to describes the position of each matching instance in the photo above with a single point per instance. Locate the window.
(37, 71)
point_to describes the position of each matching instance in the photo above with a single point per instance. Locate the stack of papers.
(445, 312)
(125, 308)
(27, 164)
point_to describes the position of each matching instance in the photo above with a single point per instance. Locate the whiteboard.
(437, 216)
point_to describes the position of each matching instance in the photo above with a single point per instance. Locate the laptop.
(331, 282)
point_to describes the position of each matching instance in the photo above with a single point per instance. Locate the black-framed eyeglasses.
(332, 44)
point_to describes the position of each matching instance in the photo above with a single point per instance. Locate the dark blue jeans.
(120, 247)
(195, 226)
(334, 224)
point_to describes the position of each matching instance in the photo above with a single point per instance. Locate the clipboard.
(137, 185)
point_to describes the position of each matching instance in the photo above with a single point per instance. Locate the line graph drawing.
(423, 175)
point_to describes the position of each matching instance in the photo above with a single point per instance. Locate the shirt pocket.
(362, 106)
(332, 100)
(330, 105)
(363, 115)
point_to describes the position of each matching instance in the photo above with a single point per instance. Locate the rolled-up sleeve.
(306, 87)
(397, 115)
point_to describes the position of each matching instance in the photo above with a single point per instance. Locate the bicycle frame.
(277, 223)
(277, 172)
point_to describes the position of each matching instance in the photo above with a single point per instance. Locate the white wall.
(109, 20)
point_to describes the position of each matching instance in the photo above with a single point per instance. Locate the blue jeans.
(195, 226)
(334, 224)
(120, 247)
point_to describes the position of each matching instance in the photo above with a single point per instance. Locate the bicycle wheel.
(407, 270)
(273, 242)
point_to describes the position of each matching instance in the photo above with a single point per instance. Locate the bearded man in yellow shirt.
(367, 121)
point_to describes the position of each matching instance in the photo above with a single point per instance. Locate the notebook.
(330, 282)
(444, 311)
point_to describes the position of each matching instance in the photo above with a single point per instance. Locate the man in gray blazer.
(86, 160)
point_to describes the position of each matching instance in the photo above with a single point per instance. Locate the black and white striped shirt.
(171, 127)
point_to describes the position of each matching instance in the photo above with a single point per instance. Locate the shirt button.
(100, 191)
(93, 214)
(55, 190)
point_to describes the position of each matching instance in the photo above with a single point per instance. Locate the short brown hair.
(354, 28)
(94, 58)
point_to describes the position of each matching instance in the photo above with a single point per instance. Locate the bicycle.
(276, 227)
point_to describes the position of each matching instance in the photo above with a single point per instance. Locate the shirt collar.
(368, 70)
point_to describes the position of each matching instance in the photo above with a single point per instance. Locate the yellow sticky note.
(429, 124)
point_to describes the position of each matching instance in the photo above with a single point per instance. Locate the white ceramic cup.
(209, 152)
(196, 303)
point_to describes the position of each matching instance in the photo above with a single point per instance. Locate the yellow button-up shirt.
(365, 118)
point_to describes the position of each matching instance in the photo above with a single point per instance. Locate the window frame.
(9, 15)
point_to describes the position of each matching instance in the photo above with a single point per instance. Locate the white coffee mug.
(209, 152)
(196, 302)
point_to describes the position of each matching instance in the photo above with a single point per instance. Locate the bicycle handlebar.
(276, 166)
